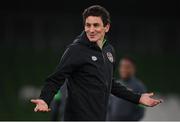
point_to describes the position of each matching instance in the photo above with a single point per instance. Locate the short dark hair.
(99, 11)
(130, 59)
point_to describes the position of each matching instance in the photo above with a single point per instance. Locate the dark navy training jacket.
(89, 73)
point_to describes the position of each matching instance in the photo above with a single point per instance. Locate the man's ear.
(107, 27)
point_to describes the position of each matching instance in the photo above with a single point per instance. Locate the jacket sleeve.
(122, 92)
(68, 63)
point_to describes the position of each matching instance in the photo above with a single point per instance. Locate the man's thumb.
(151, 94)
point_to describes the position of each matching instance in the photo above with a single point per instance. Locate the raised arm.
(68, 63)
(144, 99)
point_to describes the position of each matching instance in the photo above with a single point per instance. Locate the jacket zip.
(106, 83)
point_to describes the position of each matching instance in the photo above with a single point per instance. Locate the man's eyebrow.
(95, 23)
(92, 23)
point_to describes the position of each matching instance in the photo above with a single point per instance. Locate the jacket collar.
(82, 39)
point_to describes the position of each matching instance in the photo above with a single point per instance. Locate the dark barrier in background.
(33, 39)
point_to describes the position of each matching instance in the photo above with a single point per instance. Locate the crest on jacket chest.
(110, 57)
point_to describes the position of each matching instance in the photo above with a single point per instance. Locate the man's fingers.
(36, 109)
(34, 101)
(159, 101)
(41, 109)
(155, 102)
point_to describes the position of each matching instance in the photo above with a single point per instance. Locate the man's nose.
(91, 29)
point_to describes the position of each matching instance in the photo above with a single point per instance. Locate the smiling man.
(88, 66)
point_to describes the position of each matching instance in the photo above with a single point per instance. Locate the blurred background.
(34, 34)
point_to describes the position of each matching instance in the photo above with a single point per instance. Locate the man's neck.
(100, 43)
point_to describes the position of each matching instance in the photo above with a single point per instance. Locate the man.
(131, 112)
(88, 64)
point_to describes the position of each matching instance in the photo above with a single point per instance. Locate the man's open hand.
(148, 101)
(41, 105)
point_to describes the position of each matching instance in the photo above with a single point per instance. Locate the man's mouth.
(92, 36)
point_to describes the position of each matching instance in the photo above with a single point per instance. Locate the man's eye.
(96, 25)
(88, 25)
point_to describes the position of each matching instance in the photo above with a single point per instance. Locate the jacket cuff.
(46, 99)
(136, 98)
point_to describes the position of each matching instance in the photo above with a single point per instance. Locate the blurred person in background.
(58, 104)
(119, 109)
(88, 65)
